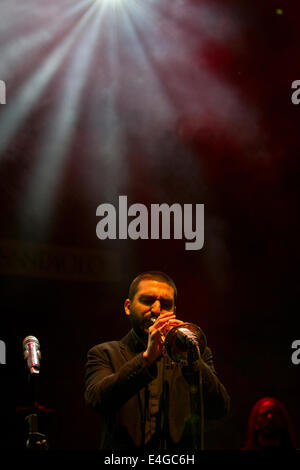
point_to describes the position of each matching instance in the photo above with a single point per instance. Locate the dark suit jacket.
(116, 384)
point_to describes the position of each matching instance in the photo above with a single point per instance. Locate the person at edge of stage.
(269, 426)
(142, 396)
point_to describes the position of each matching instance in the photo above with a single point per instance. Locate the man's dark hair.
(151, 275)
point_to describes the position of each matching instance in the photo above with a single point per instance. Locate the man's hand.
(157, 332)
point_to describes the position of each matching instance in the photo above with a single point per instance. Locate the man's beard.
(138, 327)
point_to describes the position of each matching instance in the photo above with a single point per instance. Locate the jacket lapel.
(131, 345)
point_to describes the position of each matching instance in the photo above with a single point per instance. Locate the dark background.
(234, 148)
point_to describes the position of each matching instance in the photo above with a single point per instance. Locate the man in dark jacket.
(145, 399)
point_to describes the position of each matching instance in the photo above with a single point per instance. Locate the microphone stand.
(196, 398)
(192, 344)
(35, 440)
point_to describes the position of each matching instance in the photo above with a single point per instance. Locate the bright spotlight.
(111, 3)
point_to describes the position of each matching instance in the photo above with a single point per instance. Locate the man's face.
(151, 299)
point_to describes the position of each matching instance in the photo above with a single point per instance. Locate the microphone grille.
(30, 339)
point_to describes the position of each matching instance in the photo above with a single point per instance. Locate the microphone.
(32, 354)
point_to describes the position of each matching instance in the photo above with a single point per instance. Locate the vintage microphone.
(32, 354)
